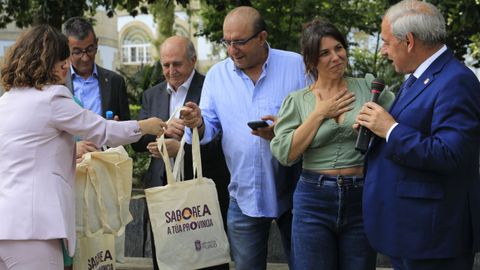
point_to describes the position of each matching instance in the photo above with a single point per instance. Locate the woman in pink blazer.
(39, 120)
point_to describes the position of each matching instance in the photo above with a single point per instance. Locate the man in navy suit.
(421, 193)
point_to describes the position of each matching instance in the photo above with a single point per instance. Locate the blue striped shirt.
(87, 91)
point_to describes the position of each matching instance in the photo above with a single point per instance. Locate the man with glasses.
(97, 89)
(250, 85)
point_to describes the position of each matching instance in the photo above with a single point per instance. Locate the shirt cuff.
(390, 131)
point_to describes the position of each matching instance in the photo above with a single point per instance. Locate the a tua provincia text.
(198, 214)
(99, 258)
(190, 226)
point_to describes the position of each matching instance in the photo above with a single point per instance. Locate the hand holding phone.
(254, 125)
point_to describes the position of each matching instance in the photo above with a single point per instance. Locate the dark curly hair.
(312, 35)
(31, 60)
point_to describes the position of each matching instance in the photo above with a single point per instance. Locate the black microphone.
(364, 134)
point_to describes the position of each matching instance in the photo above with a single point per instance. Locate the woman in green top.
(316, 123)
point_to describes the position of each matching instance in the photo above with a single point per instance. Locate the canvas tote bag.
(94, 251)
(185, 216)
(104, 182)
(107, 176)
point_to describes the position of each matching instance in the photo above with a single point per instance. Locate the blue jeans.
(248, 237)
(327, 229)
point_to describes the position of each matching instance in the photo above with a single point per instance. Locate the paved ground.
(146, 264)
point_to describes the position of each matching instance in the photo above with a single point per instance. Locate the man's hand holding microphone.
(372, 118)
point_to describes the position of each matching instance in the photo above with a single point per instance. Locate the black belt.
(329, 180)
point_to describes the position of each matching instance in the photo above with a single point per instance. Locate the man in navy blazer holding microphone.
(422, 189)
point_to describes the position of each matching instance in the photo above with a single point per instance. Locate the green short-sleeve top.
(333, 146)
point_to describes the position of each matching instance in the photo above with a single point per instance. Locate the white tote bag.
(107, 179)
(94, 251)
(185, 216)
(103, 186)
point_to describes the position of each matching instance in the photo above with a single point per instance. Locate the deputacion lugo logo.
(199, 245)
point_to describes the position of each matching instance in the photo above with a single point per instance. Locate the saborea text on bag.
(196, 213)
(100, 258)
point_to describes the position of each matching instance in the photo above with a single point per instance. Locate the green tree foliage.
(164, 16)
(361, 63)
(146, 77)
(285, 19)
(463, 26)
(54, 12)
(475, 48)
(27, 12)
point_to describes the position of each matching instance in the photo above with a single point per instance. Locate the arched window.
(136, 49)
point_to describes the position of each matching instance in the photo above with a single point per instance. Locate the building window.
(136, 48)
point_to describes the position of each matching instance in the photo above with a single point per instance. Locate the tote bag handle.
(177, 173)
(91, 179)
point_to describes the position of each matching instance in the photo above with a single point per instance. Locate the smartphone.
(254, 125)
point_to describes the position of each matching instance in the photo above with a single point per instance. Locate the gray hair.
(422, 19)
(78, 27)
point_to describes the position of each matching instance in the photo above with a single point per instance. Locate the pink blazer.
(37, 160)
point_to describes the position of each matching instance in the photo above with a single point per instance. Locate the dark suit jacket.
(156, 102)
(421, 194)
(113, 92)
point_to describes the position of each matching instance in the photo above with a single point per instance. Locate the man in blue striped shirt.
(250, 85)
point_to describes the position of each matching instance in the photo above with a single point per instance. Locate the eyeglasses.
(240, 42)
(90, 51)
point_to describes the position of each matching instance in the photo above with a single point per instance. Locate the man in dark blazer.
(182, 84)
(97, 89)
(113, 93)
(421, 193)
